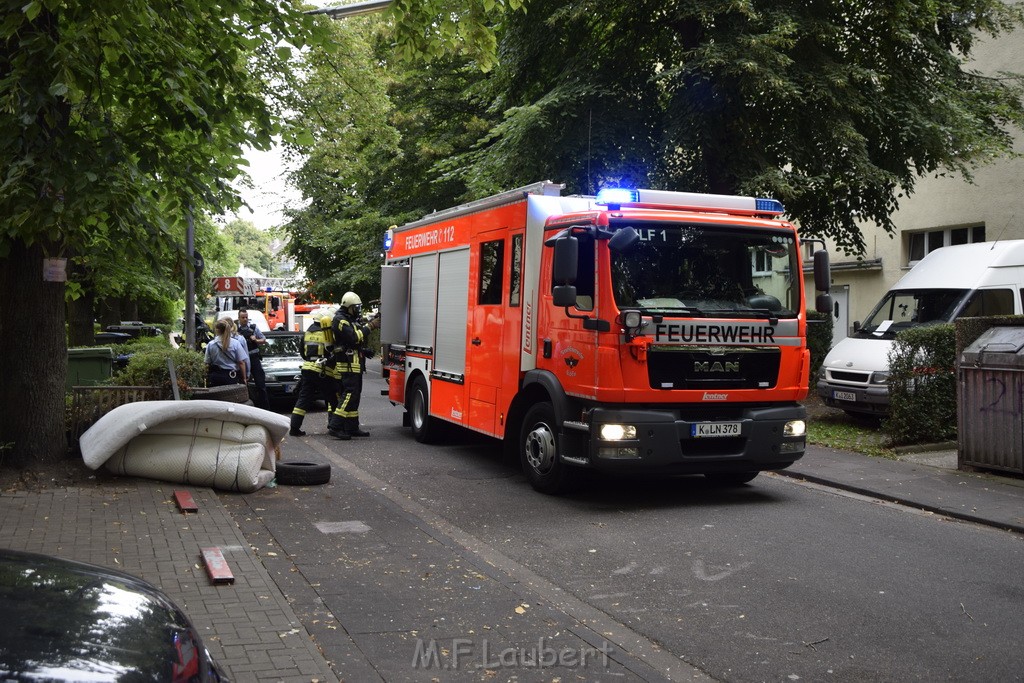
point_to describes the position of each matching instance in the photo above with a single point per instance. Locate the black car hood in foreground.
(69, 621)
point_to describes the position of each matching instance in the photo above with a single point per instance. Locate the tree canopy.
(835, 108)
(121, 119)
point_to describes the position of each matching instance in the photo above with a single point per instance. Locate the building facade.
(942, 211)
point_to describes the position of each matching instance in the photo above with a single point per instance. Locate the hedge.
(148, 368)
(819, 339)
(922, 386)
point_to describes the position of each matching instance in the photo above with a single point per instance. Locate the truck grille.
(713, 367)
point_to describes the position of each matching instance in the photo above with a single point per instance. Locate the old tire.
(424, 427)
(730, 478)
(538, 451)
(302, 473)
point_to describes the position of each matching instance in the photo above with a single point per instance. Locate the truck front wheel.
(538, 450)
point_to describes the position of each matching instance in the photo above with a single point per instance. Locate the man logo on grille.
(707, 366)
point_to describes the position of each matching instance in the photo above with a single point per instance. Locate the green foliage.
(819, 340)
(833, 108)
(118, 112)
(434, 28)
(381, 126)
(148, 368)
(922, 386)
(247, 244)
(140, 345)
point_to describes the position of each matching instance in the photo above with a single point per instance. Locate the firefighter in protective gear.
(350, 334)
(317, 350)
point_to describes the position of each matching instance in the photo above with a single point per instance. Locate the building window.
(761, 262)
(922, 243)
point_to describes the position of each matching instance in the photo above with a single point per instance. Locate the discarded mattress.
(229, 446)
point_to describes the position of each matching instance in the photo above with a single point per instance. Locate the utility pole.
(190, 282)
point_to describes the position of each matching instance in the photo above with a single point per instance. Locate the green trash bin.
(89, 366)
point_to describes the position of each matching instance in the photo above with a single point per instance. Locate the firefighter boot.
(334, 428)
(296, 426)
(352, 427)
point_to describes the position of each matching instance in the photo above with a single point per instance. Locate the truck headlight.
(614, 432)
(879, 377)
(795, 428)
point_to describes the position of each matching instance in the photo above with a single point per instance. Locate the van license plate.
(844, 396)
(711, 429)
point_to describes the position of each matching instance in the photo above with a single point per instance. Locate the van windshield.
(905, 308)
(702, 270)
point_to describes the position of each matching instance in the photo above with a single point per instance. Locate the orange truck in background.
(637, 331)
(278, 306)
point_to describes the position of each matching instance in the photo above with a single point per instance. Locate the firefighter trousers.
(345, 417)
(311, 388)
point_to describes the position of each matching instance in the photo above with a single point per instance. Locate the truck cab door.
(487, 326)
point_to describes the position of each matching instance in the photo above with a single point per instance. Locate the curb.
(926, 447)
(935, 509)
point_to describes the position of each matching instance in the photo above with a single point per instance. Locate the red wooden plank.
(185, 501)
(217, 566)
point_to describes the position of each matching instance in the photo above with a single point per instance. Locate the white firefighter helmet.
(351, 299)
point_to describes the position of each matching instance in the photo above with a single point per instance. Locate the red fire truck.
(277, 305)
(639, 330)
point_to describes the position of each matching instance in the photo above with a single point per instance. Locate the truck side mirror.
(565, 262)
(623, 240)
(823, 303)
(822, 273)
(564, 295)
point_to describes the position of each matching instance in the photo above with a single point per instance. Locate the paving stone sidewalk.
(134, 525)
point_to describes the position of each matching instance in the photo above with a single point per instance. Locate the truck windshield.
(708, 271)
(900, 309)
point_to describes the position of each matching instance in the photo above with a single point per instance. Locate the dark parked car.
(282, 363)
(70, 621)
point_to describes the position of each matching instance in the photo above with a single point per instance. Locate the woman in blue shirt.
(225, 357)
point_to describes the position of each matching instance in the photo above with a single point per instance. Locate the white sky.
(270, 192)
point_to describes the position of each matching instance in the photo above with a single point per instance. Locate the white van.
(966, 280)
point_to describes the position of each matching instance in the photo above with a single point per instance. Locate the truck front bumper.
(748, 439)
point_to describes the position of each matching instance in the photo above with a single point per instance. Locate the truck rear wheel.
(538, 450)
(424, 427)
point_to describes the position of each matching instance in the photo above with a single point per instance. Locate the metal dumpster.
(89, 366)
(990, 420)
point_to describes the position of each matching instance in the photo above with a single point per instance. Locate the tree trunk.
(109, 312)
(129, 309)
(33, 360)
(80, 320)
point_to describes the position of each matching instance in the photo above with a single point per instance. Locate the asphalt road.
(776, 580)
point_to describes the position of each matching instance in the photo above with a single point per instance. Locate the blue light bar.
(769, 206)
(616, 196)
